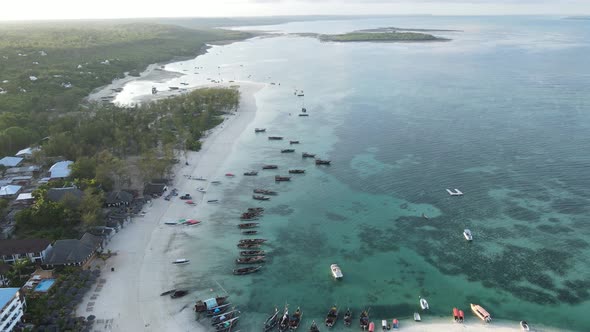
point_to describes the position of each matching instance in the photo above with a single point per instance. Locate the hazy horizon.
(33, 10)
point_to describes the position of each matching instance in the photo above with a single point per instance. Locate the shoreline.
(130, 296)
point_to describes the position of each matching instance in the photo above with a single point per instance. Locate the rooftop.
(9, 190)
(6, 295)
(61, 169)
(11, 247)
(10, 161)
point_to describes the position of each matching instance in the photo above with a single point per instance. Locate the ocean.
(501, 112)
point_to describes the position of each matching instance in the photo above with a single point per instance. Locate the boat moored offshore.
(336, 272)
(424, 304)
(467, 234)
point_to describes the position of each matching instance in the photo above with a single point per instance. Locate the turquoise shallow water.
(500, 112)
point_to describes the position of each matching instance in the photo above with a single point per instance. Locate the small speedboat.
(461, 316)
(455, 314)
(336, 272)
(423, 303)
(395, 324)
(417, 317)
(467, 234)
(371, 327)
(524, 325)
(181, 261)
(384, 324)
(171, 222)
(259, 130)
(229, 175)
(480, 312)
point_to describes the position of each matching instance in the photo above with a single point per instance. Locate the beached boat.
(168, 292)
(248, 225)
(178, 293)
(220, 318)
(395, 324)
(287, 150)
(296, 171)
(461, 316)
(260, 198)
(384, 325)
(247, 270)
(348, 317)
(336, 272)
(181, 261)
(322, 162)
(314, 327)
(218, 309)
(203, 305)
(307, 155)
(251, 173)
(252, 240)
(455, 314)
(295, 319)
(248, 245)
(480, 312)
(423, 303)
(279, 178)
(371, 327)
(417, 317)
(259, 130)
(293, 142)
(270, 167)
(284, 321)
(275, 138)
(332, 316)
(364, 320)
(252, 253)
(524, 325)
(272, 320)
(249, 232)
(467, 234)
(227, 325)
(250, 260)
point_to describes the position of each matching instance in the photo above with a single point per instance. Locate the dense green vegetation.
(380, 37)
(47, 69)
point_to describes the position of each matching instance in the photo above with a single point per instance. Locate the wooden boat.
(222, 317)
(314, 327)
(293, 142)
(295, 319)
(218, 309)
(307, 155)
(461, 316)
(259, 130)
(248, 245)
(252, 253)
(287, 150)
(249, 232)
(272, 321)
(171, 222)
(264, 192)
(524, 325)
(417, 317)
(279, 178)
(250, 260)
(227, 325)
(371, 327)
(275, 138)
(215, 182)
(248, 225)
(260, 198)
(270, 167)
(322, 162)
(256, 209)
(423, 303)
(364, 320)
(395, 324)
(201, 305)
(213, 201)
(168, 292)
(332, 316)
(251, 173)
(480, 312)
(284, 321)
(467, 234)
(247, 270)
(303, 114)
(336, 272)
(348, 317)
(296, 171)
(178, 293)
(455, 314)
(181, 261)
(252, 240)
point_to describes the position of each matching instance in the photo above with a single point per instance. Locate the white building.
(12, 308)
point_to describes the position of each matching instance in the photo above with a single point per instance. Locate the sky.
(92, 9)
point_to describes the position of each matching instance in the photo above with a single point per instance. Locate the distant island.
(577, 18)
(389, 34)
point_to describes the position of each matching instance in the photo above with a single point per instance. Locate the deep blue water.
(502, 112)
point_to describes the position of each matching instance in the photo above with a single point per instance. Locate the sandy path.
(145, 248)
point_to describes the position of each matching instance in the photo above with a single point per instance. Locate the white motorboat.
(171, 222)
(417, 317)
(181, 261)
(423, 303)
(336, 272)
(524, 325)
(384, 324)
(467, 234)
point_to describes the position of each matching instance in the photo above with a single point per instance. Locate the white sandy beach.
(145, 248)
